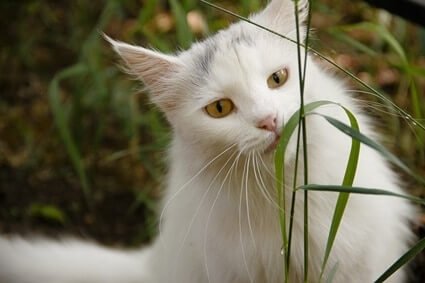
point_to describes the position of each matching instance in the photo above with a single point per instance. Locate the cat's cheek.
(285, 111)
(198, 130)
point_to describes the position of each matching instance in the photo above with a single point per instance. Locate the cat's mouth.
(274, 143)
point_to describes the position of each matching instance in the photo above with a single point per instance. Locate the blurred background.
(81, 148)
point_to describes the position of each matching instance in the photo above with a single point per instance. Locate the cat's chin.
(266, 147)
(273, 145)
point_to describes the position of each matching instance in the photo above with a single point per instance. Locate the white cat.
(227, 99)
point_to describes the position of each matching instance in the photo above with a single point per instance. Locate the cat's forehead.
(204, 53)
(232, 64)
(257, 50)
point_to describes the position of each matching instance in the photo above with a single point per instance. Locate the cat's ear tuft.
(279, 15)
(149, 66)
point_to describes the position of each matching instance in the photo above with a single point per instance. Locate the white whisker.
(186, 184)
(247, 202)
(240, 224)
(261, 185)
(212, 208)
(204, 197)
(267, 169)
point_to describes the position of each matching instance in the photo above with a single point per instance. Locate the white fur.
(219, 221)
(69, 261)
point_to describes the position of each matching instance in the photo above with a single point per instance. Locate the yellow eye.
(220, 108)
(278, 79)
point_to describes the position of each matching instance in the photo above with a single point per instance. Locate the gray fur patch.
(205, 52)
(241, 37)
(230, 38)
(206, 56)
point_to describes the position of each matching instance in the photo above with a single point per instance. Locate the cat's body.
(220, 222)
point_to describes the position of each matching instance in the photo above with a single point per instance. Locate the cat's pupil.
(219, 107)
(276, 78)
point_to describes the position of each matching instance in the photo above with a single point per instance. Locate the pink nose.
(268, 124)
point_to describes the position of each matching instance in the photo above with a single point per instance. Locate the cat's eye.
(278, 79)
(220, 108)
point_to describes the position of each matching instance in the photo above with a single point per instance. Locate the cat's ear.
(153, 68)
(279, 16)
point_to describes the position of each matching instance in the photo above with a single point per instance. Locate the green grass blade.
(184, 34)
(279, 158)
(359, 190)
(416, 70)
(62, 123)
(417, 105)
(292, 123)
(249, 5)
(332, 273)
(302, 68)
(156, 41)
(287, 131)
(369, 142)
(384, 33)
(371, 191)
(148, 10)
(343, 37)
(342, 201)
(279, 169)
(48, 212)
(409, 255)
(405, 65)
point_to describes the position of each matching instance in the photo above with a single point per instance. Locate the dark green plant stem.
(360, 190)
(292, 212)
(61, 121)
(302, 75)
(408, 256)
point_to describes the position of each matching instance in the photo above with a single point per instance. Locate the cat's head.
(237, 87)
